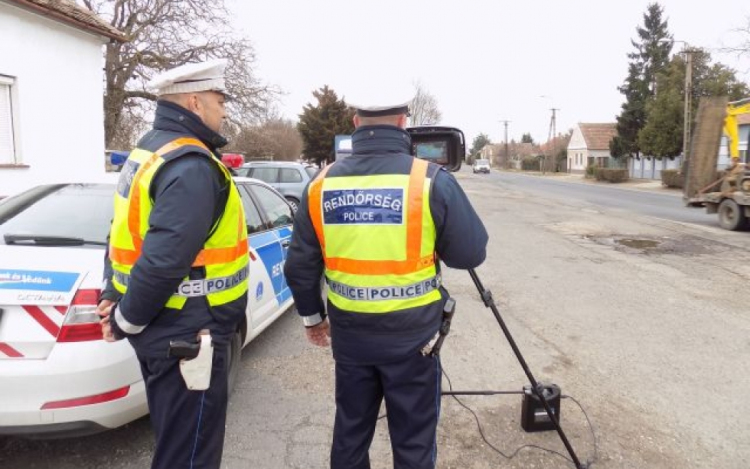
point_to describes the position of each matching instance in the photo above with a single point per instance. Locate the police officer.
(374, 223)
(178, 263)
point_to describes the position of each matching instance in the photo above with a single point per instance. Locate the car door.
(291, 183)
(280, 217)
(265, 252)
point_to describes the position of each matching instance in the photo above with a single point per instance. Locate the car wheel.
(731, 216)
(293, 202)
(235, 356)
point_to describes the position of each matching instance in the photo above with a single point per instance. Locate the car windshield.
(483, 162)
(58, 212)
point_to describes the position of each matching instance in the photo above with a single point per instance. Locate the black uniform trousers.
(411, 389)
(188, 425)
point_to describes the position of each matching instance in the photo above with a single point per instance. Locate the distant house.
(51, 93)
(743, 120)
(589, 145)
(493, 153)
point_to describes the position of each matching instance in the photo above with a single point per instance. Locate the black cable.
(513, 455)
(591, 427)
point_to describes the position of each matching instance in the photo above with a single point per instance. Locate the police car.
(58, 377)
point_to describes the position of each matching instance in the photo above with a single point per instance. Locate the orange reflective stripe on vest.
(206, 256)
(316, 215)
(223, 255)
(414, 223)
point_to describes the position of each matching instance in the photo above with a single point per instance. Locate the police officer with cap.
(177, 266)
(376, 224)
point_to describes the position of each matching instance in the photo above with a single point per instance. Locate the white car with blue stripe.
(58, 377)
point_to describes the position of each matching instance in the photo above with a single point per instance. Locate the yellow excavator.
(727, 195)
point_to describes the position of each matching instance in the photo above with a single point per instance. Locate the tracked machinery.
(727, 194)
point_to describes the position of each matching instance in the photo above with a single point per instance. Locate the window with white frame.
(7, 140)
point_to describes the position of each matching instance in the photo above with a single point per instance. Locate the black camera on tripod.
(445, 146)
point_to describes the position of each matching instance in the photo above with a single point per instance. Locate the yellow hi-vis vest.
(378, 239)
(225, 253)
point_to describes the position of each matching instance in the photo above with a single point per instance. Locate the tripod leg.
(489, 302)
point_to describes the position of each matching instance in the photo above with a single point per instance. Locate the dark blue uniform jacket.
(189, 194)
(461, 243)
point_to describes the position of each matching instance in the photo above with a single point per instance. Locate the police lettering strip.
(363, 206)
(196, 288)
(385, 293)
(127, 175)
(38, 280)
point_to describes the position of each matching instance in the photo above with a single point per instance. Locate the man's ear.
(403, 121)
(194, 103)
(356, 121)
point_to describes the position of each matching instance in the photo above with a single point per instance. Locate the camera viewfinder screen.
(437, 152)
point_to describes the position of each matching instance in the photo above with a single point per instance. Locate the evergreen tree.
(318, 125)
(652, 52)
(479, 142)
(526, 138)
(649, 59)
(662, 135)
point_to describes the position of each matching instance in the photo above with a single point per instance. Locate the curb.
(655, 186)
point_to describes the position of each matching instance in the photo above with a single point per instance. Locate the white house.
(589, 144)
(493, 153)
(51, 93)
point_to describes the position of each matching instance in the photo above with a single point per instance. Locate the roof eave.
(70, 21)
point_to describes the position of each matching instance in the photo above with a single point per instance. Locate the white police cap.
(191, 78)
(381, 99)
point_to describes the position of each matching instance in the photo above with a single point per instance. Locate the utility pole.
(688, 102)
(688, 99)
(551, 137)
(507, 158)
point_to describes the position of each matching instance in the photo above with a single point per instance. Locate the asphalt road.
(666, 205)
(642, 319)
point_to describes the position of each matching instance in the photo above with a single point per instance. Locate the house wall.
(577, 152)
(57, 100)
(602, 159)
(724, 158)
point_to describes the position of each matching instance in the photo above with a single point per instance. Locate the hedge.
(673, 178)
(611, 174)
(530, 164)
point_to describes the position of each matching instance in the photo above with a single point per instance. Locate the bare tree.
(739, 42)
(133, 123)
(163, 34)
(424, 108)
(275, 138)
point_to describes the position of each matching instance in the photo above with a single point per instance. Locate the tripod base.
(534, 417)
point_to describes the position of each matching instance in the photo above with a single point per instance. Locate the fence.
(651, 168)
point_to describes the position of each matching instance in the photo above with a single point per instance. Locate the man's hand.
(319, 334)
(103, 310)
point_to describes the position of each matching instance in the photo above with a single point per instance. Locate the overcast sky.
(484, 61)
